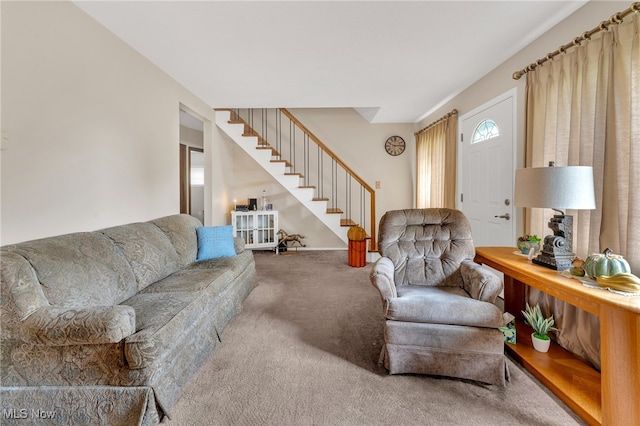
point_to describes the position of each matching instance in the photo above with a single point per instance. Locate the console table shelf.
(608, 398)
(577, 384)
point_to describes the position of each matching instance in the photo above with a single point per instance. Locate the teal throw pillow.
(214, 242)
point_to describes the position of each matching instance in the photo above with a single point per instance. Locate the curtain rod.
(446, 116)
(604, 26)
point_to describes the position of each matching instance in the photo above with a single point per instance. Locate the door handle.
(504, 216)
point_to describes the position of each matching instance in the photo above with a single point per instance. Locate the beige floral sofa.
(107, 327)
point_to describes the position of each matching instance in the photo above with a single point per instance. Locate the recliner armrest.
(480, 283)
(54, 326)
(382, 277)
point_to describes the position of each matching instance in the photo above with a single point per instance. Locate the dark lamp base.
(559, 263)
(557, 252)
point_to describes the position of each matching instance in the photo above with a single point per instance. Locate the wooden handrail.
(372, 234)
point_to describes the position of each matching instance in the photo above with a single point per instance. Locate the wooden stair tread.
(261, 141)
(307, 186)
(294, 174)
(334, 211)
(274, 153)
(319, 199)
(347, 222)
(286, 163)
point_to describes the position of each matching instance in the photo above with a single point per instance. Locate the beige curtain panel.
(583, 108)
(436, 163)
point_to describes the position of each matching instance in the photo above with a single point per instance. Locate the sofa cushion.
(79, 270)
(236, 264)
(215, 242)
(148, 249)
(181, 230)
(192, 280)
(442, 305)
(162, 317)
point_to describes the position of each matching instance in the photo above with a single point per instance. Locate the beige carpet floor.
(305, 349)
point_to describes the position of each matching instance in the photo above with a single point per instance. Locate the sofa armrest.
(238, 244)
(382, 278)
(55, 326)
(479, 282)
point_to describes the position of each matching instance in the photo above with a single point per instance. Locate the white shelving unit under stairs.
(257, 228)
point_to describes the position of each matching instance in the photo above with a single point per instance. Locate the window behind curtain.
(583, 109)
(436, 164)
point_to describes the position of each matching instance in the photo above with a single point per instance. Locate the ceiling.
(393, 61)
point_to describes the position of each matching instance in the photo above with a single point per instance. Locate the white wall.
(93, 127)
(500, 79)
(360, 145)
(219, 173)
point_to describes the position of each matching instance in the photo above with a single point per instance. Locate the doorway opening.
(192, 166)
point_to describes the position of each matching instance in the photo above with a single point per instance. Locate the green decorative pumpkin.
(605, 263)
(357, 233)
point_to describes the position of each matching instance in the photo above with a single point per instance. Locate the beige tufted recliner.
(438, 303)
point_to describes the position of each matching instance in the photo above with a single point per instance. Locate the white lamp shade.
(555, 187)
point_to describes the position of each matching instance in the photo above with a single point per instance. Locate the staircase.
(304, 166)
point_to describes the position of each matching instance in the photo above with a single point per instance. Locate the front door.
(486, 171)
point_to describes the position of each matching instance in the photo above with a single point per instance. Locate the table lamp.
(557, 188)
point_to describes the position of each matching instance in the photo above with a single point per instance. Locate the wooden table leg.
(620, 366)
(514, 297)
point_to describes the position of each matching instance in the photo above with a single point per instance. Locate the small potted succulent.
(528, 241)
(541, 327)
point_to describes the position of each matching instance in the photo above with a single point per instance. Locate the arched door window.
(486, 130)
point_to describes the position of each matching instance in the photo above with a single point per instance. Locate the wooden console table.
(609, 397)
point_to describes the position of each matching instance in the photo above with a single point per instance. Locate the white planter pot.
(539, 344)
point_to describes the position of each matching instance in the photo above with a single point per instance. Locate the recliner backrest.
(426, 245)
